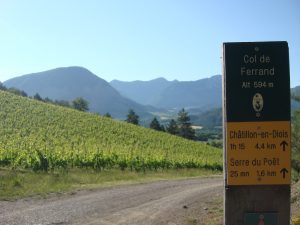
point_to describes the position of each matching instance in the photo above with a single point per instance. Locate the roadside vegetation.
(296, 221)
(296, 142)
(16, 184)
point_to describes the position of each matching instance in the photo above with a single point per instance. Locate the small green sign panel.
(261, 218)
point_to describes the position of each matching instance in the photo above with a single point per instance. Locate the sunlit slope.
(41, 136)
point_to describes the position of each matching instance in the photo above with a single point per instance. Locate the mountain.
(143, 92)
(68, 83)
(208, 119)
(295, 91)
(204, 93)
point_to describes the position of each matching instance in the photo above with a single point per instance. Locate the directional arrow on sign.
(283, 171)
(283, 144)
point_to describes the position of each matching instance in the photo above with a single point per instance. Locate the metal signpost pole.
(257, 133)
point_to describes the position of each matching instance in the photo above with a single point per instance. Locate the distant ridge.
(204, 93)
(295, 91)
(143, 92)
(68, 83)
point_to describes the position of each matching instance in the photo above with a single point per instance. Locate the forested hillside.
(41, 136)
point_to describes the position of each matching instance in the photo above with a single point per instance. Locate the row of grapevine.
(38, 160)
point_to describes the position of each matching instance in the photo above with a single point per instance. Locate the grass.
(295, 176)
(16, 184)
(296, 220)
(213, 213)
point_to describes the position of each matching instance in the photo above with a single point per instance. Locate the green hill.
(41, 136)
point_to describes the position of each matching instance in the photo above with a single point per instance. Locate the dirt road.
(163, 202)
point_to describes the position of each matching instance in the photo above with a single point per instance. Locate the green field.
(43, 137)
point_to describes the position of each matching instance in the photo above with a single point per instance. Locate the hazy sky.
(139, 39)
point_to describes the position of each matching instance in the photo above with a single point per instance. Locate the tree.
(132, 117)
(156, 125)
(17, 92)
(37, 97)
(296, 137)
(48, 100)
(107, 115)
(2, 87)
(80, 104)
(185, 127)
(172, 127)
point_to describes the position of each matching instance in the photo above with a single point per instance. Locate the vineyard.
(43, 137)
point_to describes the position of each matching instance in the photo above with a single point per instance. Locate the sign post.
(257, 133)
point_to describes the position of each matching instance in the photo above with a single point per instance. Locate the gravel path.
(159, 203)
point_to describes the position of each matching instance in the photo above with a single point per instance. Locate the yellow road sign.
(258, 153)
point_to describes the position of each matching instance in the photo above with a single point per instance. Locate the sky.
(140, 39)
